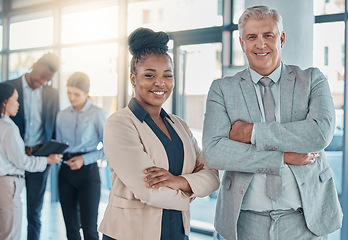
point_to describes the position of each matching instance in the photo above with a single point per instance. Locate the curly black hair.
(144, 41)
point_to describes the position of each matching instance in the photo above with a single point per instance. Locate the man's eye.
(169, 76)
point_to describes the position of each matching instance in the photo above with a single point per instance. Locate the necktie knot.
(265, 81)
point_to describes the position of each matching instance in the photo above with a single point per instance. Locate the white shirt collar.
(26, 85)
(275, 75)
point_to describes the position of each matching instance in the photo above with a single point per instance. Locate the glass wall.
(328, 56)
(87, 37)
(328, 6)
(31, 33)
(174, 15)
(196, 77)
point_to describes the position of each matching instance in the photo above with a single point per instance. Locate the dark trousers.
(79, 193)
(35, 184)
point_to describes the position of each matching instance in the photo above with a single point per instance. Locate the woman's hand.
(54, 158)
(159, 177)
(75, 163)
(198, 167)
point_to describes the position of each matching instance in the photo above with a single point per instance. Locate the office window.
(25, 3)
(239, 58)
(31, 33)
(177, 14)
(86, 23)
(322, 7)
(195, 78)
(238, 9)
(146, 16)
(1, 70)
(1, 38)
(330, 38)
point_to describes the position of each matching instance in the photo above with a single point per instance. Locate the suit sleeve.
(128, 158)
(205, 181)
(312, 134)
(222, 153)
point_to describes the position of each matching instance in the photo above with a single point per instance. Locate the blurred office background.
(91, 35)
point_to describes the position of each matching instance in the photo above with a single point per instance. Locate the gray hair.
(259, 12)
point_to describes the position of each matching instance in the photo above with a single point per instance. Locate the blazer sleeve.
(313, 133)
(128, 158)
(205, 181)
(222, 153)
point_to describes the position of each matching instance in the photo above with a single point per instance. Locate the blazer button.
(242, 191)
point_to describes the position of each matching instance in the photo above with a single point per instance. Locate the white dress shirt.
(83, 130)
(32, 101)
(256, 198)
(13, 159)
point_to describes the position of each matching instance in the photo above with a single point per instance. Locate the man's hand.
(293, 158)
(241, 132)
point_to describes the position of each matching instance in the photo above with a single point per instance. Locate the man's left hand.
(241, 132)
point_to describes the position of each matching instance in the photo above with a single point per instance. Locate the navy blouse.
(172, 224)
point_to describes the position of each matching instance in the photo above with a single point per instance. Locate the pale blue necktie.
(273, 182)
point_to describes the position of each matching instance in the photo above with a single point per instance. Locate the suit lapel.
(287, 84)
(250, 97)
(45, 104)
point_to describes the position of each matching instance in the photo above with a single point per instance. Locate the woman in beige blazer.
(157, 167)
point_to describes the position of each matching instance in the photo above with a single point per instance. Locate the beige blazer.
(134, 211)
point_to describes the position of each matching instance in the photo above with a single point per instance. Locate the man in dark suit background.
(39, 105)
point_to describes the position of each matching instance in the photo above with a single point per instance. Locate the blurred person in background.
(81, 125)
(13, 163)
(36, 118)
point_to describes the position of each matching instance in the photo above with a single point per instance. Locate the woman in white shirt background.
(82, 126)
(13, 163)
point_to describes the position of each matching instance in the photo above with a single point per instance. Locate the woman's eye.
(169, 76)
(149, 75)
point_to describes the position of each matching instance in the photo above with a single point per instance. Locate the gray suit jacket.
(50, 109)
(307, 125)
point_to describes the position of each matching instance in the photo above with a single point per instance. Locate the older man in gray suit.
(267, 127)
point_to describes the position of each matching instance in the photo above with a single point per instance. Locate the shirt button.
(242, 191)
